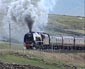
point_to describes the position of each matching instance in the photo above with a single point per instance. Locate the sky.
(69, 7)
(64, 7)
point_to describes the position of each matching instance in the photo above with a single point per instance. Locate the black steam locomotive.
(35, 40)
(38, 40)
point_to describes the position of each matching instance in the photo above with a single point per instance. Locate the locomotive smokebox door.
(28, 40)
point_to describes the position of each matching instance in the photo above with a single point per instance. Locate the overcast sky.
(64, 7)
(69, 7)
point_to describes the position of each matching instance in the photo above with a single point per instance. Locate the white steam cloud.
(48, 5)
(15, 12)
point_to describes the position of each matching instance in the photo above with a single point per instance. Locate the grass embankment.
(4, 45)
(7, 45)
(42, 59)
(7, 54)
(25, 61)
(62, 24)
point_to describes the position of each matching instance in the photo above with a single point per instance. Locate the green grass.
(78, 31)
(67, 20)
(37, 58)
(6, 45)
(63, 22)
(34, 62)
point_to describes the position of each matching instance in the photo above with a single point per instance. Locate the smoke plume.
(29, 22)
(24, 16)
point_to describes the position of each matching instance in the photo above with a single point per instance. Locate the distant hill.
(66, 25)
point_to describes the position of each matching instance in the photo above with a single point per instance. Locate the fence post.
(10, 35)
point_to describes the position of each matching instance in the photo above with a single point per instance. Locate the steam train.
(38, 40)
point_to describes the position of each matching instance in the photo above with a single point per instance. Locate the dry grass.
(76, 59)
(70, 58)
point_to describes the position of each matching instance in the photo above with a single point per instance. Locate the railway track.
(65, 51)
(43, 50)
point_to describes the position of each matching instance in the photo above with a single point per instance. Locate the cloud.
(48, 4)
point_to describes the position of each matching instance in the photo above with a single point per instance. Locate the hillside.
(66, 25)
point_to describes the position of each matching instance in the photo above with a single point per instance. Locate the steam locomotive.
(38, 40)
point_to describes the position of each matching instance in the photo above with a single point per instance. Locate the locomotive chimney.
(29, 22)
